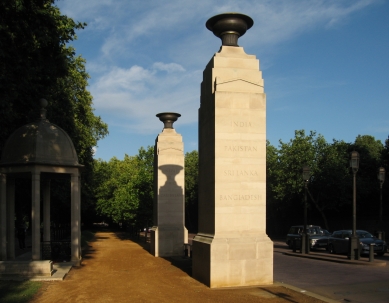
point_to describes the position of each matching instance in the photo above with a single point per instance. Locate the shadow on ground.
(181, 262)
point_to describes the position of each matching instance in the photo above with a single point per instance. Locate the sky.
(325, 64)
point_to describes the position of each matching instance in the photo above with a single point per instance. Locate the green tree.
(33, 56)
(124, 189)
(327, 188)
(330, 187)
(35, 63)
(191, 190)
(370, 153)
(144, 186)
(287, 173)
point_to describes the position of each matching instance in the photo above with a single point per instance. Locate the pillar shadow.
(170, 190)
(173, 196)
(182, 263)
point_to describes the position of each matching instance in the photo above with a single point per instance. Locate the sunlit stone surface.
(168, 234)
(232, 247)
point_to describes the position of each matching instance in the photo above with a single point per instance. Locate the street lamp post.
(304, 237)
(354, 164)
(381, 178)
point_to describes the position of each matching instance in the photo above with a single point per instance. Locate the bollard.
(371, 252)
(187, 250)
(357, 253)
(308, 246)
(294, 245)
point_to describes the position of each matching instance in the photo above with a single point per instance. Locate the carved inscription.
(238, 173)
(239, 197)
(241, 124)
(240, 148)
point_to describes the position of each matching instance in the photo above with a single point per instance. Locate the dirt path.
(117, 269)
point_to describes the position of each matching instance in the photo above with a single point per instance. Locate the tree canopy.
(191, 189)
(35, 63)
(330, 185)
(124, 188)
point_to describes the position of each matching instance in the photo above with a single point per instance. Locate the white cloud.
(126, 26)
(171, 67)
(130, 77)
(134, 94)
(119, 79)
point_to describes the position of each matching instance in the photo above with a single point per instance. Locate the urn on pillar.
(231, 247)
(168, 234)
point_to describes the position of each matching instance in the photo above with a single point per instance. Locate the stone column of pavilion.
(232, 248)
(168, 234)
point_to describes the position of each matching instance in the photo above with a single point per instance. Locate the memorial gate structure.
(168, 235)
(231, 247)
(39, 151)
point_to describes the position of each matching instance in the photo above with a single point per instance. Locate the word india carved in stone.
(241, 124)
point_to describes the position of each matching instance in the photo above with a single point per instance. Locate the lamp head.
(306, 173)
(381, 175)
(354, 162)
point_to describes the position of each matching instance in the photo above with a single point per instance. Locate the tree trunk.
(321, 211)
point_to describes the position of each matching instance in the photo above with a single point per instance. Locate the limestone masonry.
(232, 247)
(168, 234)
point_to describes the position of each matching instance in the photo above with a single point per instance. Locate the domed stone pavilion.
(40, 151)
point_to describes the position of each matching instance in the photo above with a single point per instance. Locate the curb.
(305, 292)
(375, 263)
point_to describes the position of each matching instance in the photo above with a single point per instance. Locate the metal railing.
(56, 250)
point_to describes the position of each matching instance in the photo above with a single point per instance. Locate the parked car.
(339, 242)
(318, 237)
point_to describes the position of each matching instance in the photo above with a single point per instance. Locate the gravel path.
(116, 268)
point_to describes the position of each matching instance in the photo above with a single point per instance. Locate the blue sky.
(325, 65)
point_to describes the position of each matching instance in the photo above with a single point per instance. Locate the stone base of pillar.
(231, 261)
(26, 268)
(76, 262)
(168, 241)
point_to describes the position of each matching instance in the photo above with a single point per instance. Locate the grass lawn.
(24, 291)
(18, 291)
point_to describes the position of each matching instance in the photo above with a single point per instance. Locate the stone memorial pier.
(232, 248)
(168, 234)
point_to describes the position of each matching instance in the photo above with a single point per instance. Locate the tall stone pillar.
(46, 211)
(232, 248)
(75, 220)
(36, 216)
(3, 217)
(10, 218)
(168, 234)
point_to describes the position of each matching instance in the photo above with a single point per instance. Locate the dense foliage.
(331, 182)
(191, 190)
(124, 188)
(35, 63)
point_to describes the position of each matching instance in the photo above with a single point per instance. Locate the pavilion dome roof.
(39, 142)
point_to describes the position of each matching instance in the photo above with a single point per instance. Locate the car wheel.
(380, 254)
(331, 249)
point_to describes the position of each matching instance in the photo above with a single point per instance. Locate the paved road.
(341, 282)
